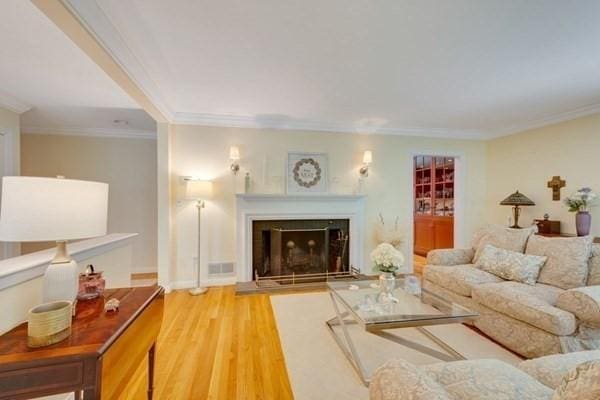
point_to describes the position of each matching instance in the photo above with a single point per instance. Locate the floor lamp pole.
(199, 289)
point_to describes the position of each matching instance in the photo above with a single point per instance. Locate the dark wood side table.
(99, 358)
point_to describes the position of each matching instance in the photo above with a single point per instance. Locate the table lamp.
(198, 190)
(517, 200)
(53, 209)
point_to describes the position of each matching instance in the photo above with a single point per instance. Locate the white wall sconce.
(367, 160)
(234, 156)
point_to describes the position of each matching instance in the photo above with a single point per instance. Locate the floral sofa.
(556, 310)
(574, 376)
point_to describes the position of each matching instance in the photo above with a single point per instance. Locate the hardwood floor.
(217, 346)
(419, 263)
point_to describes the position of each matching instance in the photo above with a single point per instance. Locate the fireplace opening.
(284, 248)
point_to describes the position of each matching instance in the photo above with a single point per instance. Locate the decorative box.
(546, 226)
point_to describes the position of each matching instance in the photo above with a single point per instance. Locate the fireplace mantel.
(254, 207)
(299, 197)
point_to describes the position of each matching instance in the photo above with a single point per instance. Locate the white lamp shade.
(50, 209)
(367, 157)
(197, 189)
(234, 153)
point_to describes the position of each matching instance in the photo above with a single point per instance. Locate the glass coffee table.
(360, 305)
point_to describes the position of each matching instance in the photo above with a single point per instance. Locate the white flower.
(386, 258)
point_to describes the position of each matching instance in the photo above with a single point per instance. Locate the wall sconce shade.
(367, 159)
(234, 155)
(198, 190)
(38, 209)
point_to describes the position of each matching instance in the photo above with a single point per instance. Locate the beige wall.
(127, 165)
(528, 160)
(204, 152)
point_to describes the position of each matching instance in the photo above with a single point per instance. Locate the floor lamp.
(200, 191)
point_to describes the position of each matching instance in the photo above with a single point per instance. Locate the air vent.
(224, 268)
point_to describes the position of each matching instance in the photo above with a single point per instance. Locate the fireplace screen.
(300, 247)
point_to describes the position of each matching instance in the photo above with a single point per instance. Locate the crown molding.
(96, 132)
(547, 120)
(12, 104)
(237, 121)
(91, 15)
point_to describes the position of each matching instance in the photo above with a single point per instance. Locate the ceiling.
(462, 68)
(59, 89)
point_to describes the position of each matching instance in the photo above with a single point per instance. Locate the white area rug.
(319, 370)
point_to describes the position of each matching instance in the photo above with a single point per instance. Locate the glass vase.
(387, 284)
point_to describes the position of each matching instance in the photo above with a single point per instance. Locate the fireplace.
(254, 209)
(308, 247)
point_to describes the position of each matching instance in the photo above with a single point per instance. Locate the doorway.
(434, 204)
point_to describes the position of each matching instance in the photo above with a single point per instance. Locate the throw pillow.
(510, 265)
(567, 265)
(503, 238)
(582, 383)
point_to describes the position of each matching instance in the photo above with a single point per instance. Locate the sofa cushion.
(584, 302)
(486, 379)
(450, 256)
(510, 265)
(581, 383)
(508, 298)
(547, 293)
(398, 379)
(567, 264)
(459, 278)
(550, 370)
(594, 266)
(501, 237)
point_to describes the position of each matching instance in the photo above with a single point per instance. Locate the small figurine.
(112, 305)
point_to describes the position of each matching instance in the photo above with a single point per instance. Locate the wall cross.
(556, 184)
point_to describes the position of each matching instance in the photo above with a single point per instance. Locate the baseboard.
(187, 284)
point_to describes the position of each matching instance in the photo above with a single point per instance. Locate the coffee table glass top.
(410, 310)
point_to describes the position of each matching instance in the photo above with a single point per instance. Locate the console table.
(99, 358)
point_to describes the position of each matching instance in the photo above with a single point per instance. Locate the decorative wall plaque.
(307, 173)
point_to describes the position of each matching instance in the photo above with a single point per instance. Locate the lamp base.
(197, 291)
(61, 281)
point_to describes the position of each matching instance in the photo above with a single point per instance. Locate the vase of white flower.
(580, 203)
(387, 260)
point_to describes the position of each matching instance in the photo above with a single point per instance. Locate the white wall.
(204, 152)
(528, 160)
(10, 131)
(129, 167)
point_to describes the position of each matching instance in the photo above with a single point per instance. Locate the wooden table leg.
(77, 395)
(151, 353)
(91, 394)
